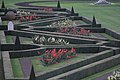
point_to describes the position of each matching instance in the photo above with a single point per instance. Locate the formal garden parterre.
(51, 43)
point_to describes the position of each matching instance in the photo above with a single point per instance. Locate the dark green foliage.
(94, 22)
(58, 4)
(32, 74)
(17, 43)
(3, 5)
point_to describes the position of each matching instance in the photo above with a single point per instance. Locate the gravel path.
(26, 66)
(28, 4)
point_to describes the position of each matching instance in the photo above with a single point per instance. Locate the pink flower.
(31, 17)
(68, 57)
(53, 51)
(47, 51)
(56, 62)
(38, 52)
(27, 17)
(88, 31)
(72, 50)
(65, 51)
(47, 60)
(39, 59)
(54, 55)
(21, 18)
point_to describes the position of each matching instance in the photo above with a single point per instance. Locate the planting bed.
(18, 63)
(96, 50)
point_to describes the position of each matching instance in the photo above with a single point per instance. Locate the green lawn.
(9, 39)
(107, 15)
(17, 71)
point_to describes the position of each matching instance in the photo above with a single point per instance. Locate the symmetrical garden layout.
(58, 44)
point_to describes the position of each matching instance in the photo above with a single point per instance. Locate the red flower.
(47, 51)
(56, 62)
(47, 60)
(21, 18)
(72, 50)
(39, 58)
(65, 51)
(31, 17)
(88, 31)
(68, 57)
(60, 51)
(27, 17)
(38, 52)
(53, 51)
(54, 55)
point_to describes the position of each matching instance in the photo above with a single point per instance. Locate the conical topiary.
(94, 22)
(72, 10)
(3, 5)
(58, 4)
(32, 74)
(17, 43)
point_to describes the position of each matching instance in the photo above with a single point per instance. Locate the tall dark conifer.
(93, 22)
(17, 43)
(32, 74)
(72, 11)
(58, 4)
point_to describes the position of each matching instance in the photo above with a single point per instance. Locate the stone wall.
(112, 33)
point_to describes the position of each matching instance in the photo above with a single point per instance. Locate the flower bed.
(54, 57)
(74, 30)
(63, 23)
(114, 76)
(49, 41)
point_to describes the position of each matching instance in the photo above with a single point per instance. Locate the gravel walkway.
(26, 66)
(28, 4)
